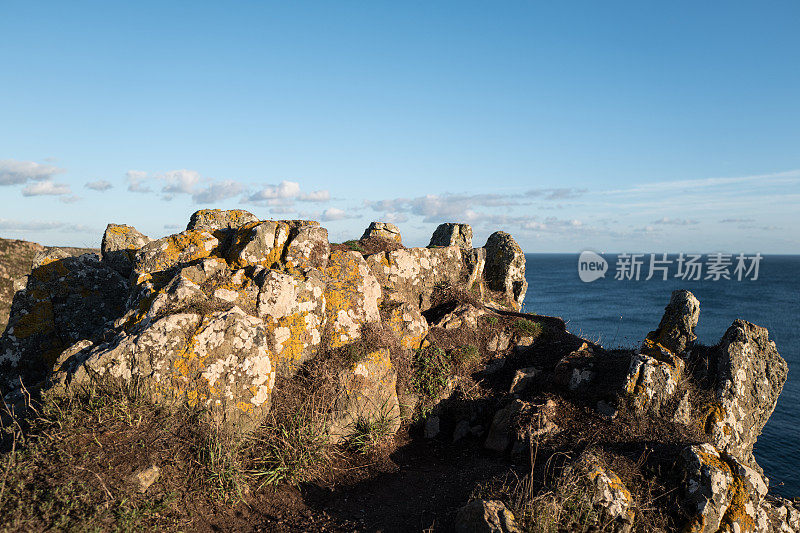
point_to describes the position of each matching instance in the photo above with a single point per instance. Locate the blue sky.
(614, 126)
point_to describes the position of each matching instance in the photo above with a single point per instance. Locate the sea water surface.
(620, 313)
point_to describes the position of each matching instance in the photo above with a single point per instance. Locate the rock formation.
(209, 317)
(220, 316)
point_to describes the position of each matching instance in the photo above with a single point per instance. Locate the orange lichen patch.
(180, 248)
(258, 243)
(346, 295)
(402, 326)
(737, 518)
(51, 269)
(39, 321)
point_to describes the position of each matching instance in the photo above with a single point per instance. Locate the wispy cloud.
(676, 221)
(556, 194)
(99, 185)
(46, 188)
(136, 180)
(15, 225)
(216, 192)
(13, 172)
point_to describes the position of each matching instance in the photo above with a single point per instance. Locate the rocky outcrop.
(66, 299)
(210, 317)
(452, 234)
(676, 330)
(119, 245)
(750, 376)
(485, 516)
(504, 270)
(383, 230)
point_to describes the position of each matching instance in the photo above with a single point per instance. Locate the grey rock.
(217, 219)
(119, 246)
(431, 427)
(750, 375)
(676, 330)
(452, 234)
(485, 516)
(505, 268)
(383, 230)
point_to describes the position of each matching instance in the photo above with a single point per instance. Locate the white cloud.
(15, 225)
(217, 192)
(556, 194)
(316, 196)
(676, 221)
(13, 172)
(333, 213)
(99, 185)
(285, 190)
(181, 181)
(46, 188)
(136, 181)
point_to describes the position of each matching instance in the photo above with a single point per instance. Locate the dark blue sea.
(620, 313)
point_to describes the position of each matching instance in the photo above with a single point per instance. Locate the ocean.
(619, 313)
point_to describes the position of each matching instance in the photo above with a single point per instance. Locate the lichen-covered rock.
(750, 375)
(411, 274)
(676, 330)
(174, 250)
(294, 307)
(652, 378)
(485, 516)
(452, 234)
(67, 299)
(221, 361)
(576, 371)
(351, 297)
(609, 493)
(504, 271)
(406, 321)
(383, 230)
(308, 248)
(721, 494)
(781, 515)
(119, 246)
(366, 394)
(464, 316)
(708, 480)
(217, 219)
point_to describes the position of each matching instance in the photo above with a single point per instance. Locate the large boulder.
(383, 230)
(366, 397)
(411, 274)
(222, 361)
(351, 297)
(720, 493)
(452, 234)
(66, 299)
(676, 330)
(504, 271)
(175, 250)
(217, 219)
(750, 375)
(119, 246)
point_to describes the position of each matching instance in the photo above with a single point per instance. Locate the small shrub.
(292, 451)
(528, 327)
(467, 356)
(369, 433)
(432, 369)
(492, 320)
(355, 246)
